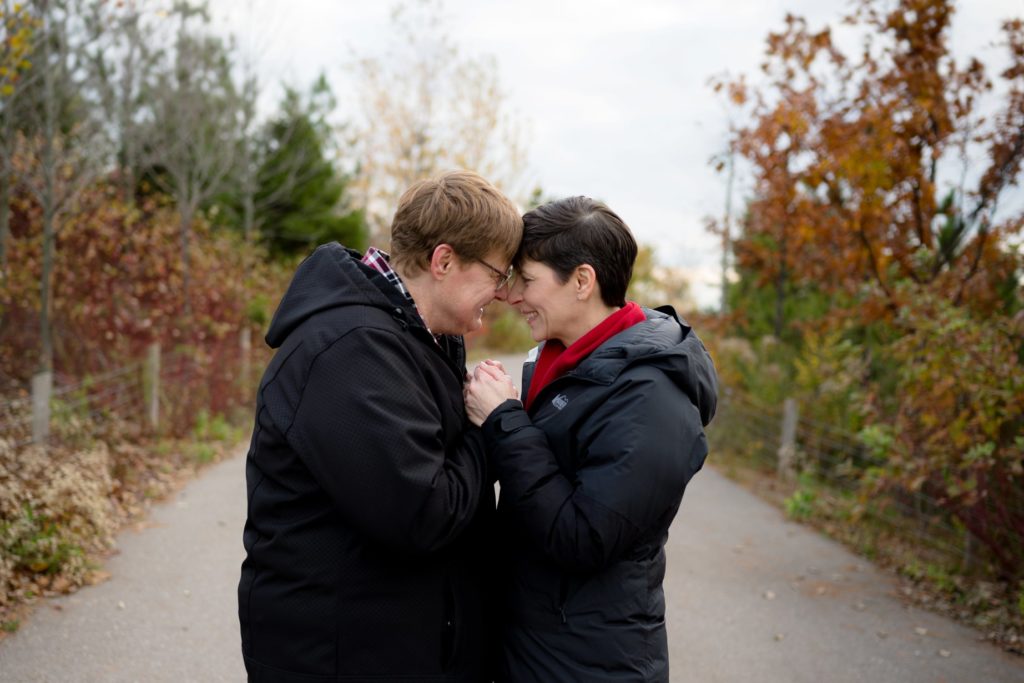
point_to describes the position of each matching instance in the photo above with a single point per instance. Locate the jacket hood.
(330, 277)
(666, 342)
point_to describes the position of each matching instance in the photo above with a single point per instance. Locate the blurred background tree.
(190, 145)
(300, 199)
(427, 107)
(875, 252)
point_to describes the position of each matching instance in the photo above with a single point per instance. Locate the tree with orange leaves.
(878, 183)
(849, 157)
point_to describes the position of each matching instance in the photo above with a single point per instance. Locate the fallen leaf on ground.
(97, 577)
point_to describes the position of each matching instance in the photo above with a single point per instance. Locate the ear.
(584, 279)
(442, 261)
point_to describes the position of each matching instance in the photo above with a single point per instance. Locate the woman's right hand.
(489, 386)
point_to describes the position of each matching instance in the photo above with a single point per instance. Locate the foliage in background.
(504, 331)
(54, 510)
(879, 285)
(428, 107)
(118, 284)
(847, 152)
(116, 290)
(954, 427)
(653, 285)
(300, 194)
(855, 248)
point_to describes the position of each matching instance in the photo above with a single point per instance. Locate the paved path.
(754, 597)
(169, 611)
(751, 597)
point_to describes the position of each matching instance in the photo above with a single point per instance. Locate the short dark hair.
(567, 233)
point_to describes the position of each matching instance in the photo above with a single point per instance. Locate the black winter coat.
(590, 481)
(368, 494)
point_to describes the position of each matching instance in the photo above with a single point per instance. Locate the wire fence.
(826, 466)
(162, 393)
(166, 391)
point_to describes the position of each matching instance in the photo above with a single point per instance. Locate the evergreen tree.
(300, 194)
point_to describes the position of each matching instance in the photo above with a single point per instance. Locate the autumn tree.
(427, 107)
(879, 181)
(191, 141)
(121, 68)
(297, 197)
(17, 27)
(856, 161)
(59, 146)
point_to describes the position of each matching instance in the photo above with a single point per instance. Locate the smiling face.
(466, 290)
(550, 306)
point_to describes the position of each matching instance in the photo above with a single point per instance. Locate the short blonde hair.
(459, 208)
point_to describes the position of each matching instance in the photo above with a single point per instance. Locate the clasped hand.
(487, 387)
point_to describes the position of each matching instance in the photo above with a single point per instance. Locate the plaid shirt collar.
(379, 260)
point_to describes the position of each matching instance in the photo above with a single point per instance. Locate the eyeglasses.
(504, 278)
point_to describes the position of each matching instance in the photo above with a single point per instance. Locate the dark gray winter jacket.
(591, 479)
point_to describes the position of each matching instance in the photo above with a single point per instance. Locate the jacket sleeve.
(639, 450)
(368, 427)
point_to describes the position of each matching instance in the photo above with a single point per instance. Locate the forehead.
(497, 258)
(534, 268)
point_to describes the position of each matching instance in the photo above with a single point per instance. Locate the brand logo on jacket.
(560, 401)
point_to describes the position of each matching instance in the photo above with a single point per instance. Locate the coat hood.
(330, 277)
(666, 342)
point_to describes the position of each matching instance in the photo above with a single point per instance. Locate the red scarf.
(555, 360)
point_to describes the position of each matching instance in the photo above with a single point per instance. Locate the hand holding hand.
(491, 363)
(489, 386)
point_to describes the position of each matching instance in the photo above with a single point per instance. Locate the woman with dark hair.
(593, 462)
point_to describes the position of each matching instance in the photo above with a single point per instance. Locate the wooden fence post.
(42, 389)
(245, 348)
(970, 563)
(153, 384)
(787, 446)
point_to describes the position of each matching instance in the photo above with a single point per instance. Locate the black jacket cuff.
(509, 417)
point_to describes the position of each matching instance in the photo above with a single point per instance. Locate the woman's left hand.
(488, 387)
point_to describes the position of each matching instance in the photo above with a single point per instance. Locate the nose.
(502, 293)
(514, 294)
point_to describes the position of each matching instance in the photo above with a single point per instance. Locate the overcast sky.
(614, 93)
